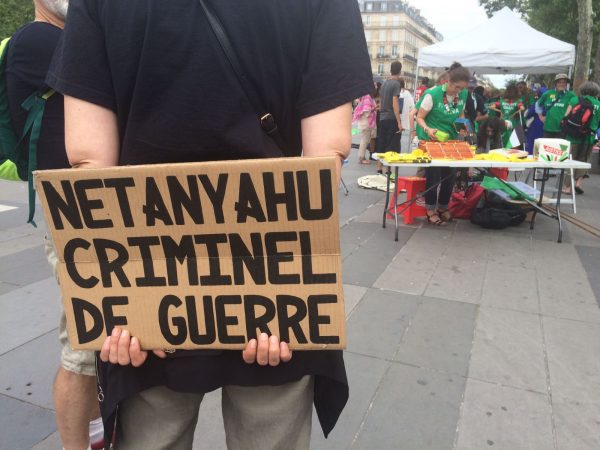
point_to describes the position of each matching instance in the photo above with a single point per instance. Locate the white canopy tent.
(503, 44)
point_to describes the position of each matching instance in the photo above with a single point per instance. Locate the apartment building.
(394, 31)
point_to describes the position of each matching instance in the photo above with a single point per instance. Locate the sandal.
(435, 219)
(365, 161)
(578, 190)
(445, 215)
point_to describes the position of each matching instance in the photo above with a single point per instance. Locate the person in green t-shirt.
(510, 109)
(526, 97)
(552, 106)
(581, 147)
(440, 107)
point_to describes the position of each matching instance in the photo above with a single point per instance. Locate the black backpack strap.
(267, 121)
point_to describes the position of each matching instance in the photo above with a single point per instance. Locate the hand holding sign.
(120, 348)
(268, 350)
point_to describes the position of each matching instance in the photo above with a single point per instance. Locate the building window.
(381, 50)
(367, 36)
(368, 20)
(396, 21)
(382, 36)
(369, 6)
(395, 35)
(382, 21)
(394, 50)
(380, 69)
(384, 6)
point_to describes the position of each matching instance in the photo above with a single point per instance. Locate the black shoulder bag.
(267, 121)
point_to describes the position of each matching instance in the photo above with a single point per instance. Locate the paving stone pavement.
(458, 337)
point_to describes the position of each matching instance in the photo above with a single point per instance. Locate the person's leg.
(383, 139)
(432, 176)
(365, 136)
(74, 390)
(384, 135)
(582, 152)
(576, 149)
(158, 418)
(76, 405)
(405, 141)
(269, 417)
(395, 137)
(446, 188)
(373, 144)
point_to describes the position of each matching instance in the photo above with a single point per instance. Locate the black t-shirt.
(30, 51)
(158, 66)
(475, 104)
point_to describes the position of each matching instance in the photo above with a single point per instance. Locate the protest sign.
(199, 255)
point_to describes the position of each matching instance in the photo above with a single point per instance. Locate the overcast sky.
(452, 18)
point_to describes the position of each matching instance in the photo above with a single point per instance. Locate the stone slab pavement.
(458, 337)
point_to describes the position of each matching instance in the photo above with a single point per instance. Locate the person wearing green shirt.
(581, 147)
(510, 109)
(440, 107)
(552, 106)
(526, 98)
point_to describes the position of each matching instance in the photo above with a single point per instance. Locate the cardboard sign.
(199, 255)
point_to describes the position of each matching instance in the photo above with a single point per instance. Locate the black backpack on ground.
(497, 215)
(577, 123)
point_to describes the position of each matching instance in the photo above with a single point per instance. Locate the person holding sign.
(440, 107)
(151, 83)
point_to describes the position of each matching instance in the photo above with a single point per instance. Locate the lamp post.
(416, 83)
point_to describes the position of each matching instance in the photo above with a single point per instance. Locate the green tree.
(13, 14)
(491, 6)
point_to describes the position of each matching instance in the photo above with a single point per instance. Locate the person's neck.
(43, 15)
(395, 77)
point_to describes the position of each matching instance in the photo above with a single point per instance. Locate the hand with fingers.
(123, 349)
(266, 351)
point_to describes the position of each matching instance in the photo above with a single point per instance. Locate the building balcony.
(410, 57)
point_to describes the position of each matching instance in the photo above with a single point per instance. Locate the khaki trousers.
(261, 417)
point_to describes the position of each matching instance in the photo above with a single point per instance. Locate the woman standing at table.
(440, 107)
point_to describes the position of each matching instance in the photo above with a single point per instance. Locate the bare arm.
(421, 122)
(396, 108)
(411, 120)
(91, 134)
(328, 134)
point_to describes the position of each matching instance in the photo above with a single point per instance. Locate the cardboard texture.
(199, 255)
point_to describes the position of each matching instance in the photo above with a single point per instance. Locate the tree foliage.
(557, 18)
(13, 14)
(491, 6)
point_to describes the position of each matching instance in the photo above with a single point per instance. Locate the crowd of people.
(512, 118)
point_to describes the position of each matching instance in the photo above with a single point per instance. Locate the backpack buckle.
(267, 123)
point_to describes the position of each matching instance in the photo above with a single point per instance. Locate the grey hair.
(58, 7)
(589, 88)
